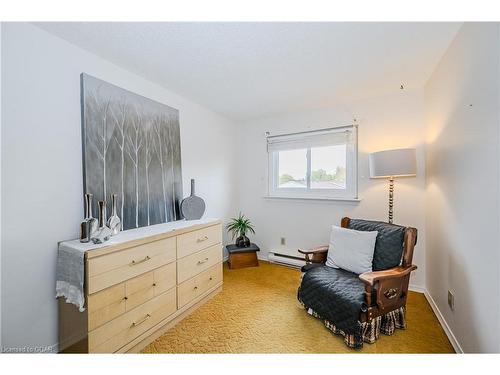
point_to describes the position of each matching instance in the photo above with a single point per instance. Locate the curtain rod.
(313, 131)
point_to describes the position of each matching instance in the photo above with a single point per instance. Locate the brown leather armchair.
(385, 290)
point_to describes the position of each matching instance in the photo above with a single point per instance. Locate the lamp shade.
(393, 163)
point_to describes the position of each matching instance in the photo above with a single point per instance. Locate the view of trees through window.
(292, 169)
(328, 168)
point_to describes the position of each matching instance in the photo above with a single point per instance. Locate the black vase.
(243, 241)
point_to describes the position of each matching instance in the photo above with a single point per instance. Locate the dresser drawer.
(107, 270)
(192, 242)
(106, 305)
(194, 264)
(120, 331)
(109, 303)
(196, 286)
(139, 290)
(165, 278)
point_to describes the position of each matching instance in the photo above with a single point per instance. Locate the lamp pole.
(391, 199)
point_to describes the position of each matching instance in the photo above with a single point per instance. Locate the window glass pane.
(328, 167)
(292, 169)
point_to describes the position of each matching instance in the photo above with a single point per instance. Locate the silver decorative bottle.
(114, 222)
(88, 226)
(103, 233)
(102, 213)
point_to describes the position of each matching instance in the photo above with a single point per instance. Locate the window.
(319, 164)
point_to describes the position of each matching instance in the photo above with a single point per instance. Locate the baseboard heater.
(287, 260)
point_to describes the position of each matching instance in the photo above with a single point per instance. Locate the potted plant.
(239, 227)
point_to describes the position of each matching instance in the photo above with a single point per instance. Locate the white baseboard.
(416, 288)
(453, 340)
(449, 333)
(262, 257)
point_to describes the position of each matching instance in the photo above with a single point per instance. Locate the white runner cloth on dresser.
(70, 269)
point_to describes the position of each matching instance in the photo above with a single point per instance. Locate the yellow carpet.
(258, 312)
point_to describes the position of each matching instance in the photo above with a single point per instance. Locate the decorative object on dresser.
(103, 233)
(239, 227)
(89, 225)
(137, 285)
(359, 307)
(192, 207)
(131, 145)
(241, 257)
(102, 214)
(114, 223)
(390, 164)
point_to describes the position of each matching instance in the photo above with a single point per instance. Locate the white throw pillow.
(351, 250)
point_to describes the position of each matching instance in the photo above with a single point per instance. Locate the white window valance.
(318, 138)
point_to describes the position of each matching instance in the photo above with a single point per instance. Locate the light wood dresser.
(137, 289)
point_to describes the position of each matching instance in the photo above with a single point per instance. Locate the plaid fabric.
(392, 320)
(386, 324)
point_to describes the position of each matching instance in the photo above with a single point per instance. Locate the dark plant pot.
(242, 241)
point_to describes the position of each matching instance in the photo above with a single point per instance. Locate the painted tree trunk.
(131, 146)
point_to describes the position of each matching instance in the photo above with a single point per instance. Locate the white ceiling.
(248, 70)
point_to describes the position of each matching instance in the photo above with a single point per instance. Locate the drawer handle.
(135, 324)
(202, 239)
(154, 284)
(140, 261)
(195, 287)
(211, 278)
(203, 261)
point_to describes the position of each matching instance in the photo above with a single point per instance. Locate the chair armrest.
(371, 278)
(388, 287)
(318, 254)
(319, 249)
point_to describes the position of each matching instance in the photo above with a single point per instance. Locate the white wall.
(393, 121)
(463, 186)
(42, 167)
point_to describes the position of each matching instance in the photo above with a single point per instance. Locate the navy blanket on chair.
(335, 295)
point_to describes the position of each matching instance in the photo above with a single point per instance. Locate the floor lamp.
(390, 164)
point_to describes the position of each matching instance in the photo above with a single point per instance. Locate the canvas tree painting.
(131, 147)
